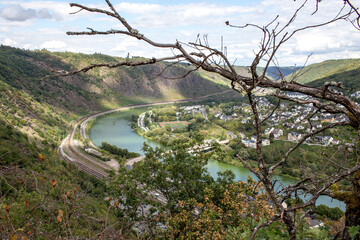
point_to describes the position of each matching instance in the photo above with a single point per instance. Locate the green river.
(115, 128)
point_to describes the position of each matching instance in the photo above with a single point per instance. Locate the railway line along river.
(115, 129)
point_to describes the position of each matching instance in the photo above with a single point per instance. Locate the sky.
(30, 24)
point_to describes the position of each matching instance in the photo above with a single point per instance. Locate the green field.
(176, 124)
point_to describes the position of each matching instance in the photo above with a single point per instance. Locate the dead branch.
(62, 73)
(356, 21)
(316, 103)
(268, 44)
(317, 192)
(210, 59)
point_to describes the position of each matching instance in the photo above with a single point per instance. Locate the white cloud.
(54, 45)
(314, 41)
(7, 27)
(9, 42)
(137, 8)
(17, 13)
(57, 10)
(156, 16)
(168, 23)
(125, 45)
(44, 13)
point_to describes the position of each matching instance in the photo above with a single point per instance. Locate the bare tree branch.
(316, 103)
(286, 156)
(264, 224)
(216, 61)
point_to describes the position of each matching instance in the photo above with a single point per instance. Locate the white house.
(294, 136)
(277, 133)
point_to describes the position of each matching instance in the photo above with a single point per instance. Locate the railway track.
(71, 154)
(96, 167)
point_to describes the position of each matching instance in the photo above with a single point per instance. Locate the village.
(289, 123)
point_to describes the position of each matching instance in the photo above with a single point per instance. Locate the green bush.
(331, 213)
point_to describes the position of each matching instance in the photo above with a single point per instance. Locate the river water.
(115, 129)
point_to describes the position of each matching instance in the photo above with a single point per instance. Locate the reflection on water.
(242, 173)
(115, 129)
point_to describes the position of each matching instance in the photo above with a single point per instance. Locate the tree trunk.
(352, 218)
(352, 214)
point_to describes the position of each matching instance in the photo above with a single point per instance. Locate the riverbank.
(116, 129)
(157, 134)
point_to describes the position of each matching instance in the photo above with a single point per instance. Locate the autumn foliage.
(242, 206)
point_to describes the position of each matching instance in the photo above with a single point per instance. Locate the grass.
(173, 124)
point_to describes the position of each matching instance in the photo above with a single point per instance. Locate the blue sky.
(41, 24)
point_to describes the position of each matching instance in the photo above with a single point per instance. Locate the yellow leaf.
(41, 157)
(60, 216)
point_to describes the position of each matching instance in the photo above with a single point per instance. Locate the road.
(94, 166)
(130, 162)
(141, 122)
(204, 113)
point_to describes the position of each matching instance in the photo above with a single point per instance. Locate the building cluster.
(274, 132)
(251, 142)
(193, 110)
(355, 94)
(243, 111)
(288, 122)
(224, 117)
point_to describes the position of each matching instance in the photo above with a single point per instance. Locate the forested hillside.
(99, 88)
(350, 80)
(44, 197)
(324, 69)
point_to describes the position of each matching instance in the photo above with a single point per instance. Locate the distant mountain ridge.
(274, 72)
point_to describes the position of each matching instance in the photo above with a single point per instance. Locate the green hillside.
(42, 196)
(42, 123)
(23, 70)
(41, 192)
(350, 80)
(100, 88)
(324, 69)
(139, 84)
